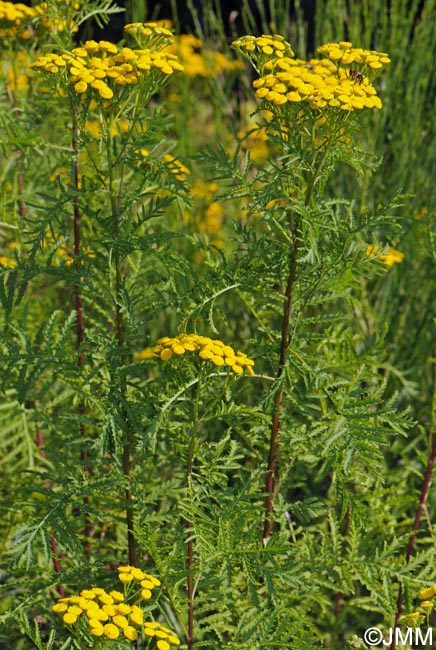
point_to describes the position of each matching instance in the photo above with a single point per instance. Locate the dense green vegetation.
(217, 310)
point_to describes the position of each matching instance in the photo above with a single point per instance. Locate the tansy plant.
(110, 84)
(311, 110)
(96, 208)
(213, 411)
(95, 238)
(195, 409)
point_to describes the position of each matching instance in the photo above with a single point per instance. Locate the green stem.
(120, 325)
(78, 304)
(189, 525)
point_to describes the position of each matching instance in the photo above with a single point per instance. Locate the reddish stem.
(190, 589)
(272, 474)
(416, 523)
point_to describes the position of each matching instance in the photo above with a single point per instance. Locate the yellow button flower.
(130, 633)
(111, 631)
(69, 618)
(427, 592)
(97, 630)
(163, 645)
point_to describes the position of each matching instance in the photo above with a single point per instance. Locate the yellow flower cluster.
(390, 257)
(13, 18)
(317, 82)
(118, 127)
(7, 262)
(343, 53)
(57, 24)
(263, 49)
(154, 36)
(328, 82)
(208, 349)
(177, 168)
(414, 619)
(212, 221)
(426, 593)
(204, 191)
(103, 66)
(165, 637)
(16, 72)
(174, 166)
(206, 215)
(199, 62)
(109, 614)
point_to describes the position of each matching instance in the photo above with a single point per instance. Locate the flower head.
(390, 256)
(342, 80)
(112, 614)
(14, 18)
(166, 638)
(345, 54)
(102, 68)
(208, 349)
(153, 35)
(414, 619)
(427, 605)
(317, 83)
(263, 50)
(427, 592)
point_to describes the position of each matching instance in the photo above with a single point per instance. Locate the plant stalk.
(272, 474)
(189, 525)
(418, 515)
(127, 441)
(39, 439)
(78, 304)
(115, 197)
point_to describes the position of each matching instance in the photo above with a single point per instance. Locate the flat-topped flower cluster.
(344, 53)
(102, 66)
(330, 81)
(17, 20)
(153, 35)
(263, 49)
(13, 17)
(112, 614)
(208, 349)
